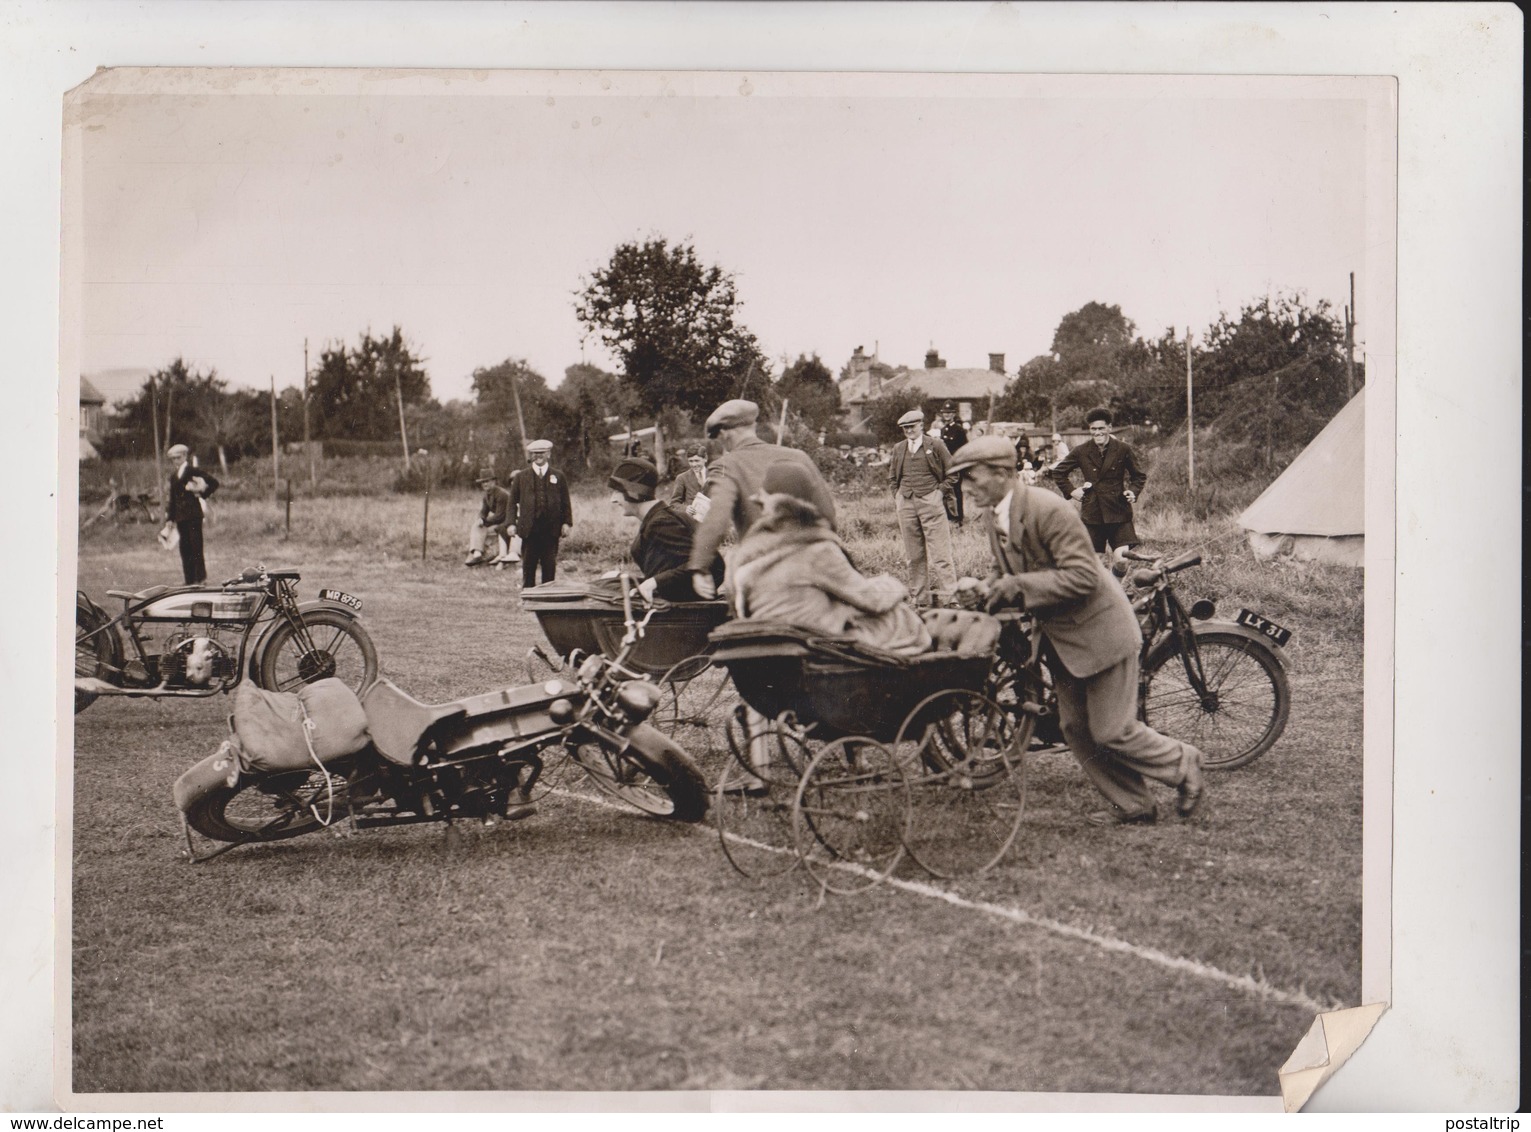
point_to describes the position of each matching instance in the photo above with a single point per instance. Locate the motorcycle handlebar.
(1184, 562)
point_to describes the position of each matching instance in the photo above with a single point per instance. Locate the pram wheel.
(753, 809)
(851, 814)
(964, 758)
(698, 702)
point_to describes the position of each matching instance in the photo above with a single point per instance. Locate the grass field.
(591, 948)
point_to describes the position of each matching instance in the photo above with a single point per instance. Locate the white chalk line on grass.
(1248, 984)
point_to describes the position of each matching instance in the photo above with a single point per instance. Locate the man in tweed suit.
(1043, 563)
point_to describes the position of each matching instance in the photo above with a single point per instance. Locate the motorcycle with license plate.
(487, 757)
(190, 641)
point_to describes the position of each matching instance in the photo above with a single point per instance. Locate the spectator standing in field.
(1060, 449)
(953, 435)
(1090, 638)
(540, 513)
(919, 473)
(692, 482)
(189, 486)
(1110, 482)
(735, 480)
(662, 550)
(493, 518)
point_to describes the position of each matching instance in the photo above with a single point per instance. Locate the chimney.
(997, 363)
(934, 360)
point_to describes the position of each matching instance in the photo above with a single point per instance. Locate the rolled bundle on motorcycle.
(272, 732)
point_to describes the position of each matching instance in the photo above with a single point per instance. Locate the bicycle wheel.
(964, 755)
(850, 815)
(1240, 712)
(755, 828)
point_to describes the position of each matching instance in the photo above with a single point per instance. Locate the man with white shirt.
(540, 513)
(1044, 563)
(921, 477)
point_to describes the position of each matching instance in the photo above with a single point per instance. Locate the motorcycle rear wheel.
(272, 808)
(94, 657)
(651, 773)
(342, 648)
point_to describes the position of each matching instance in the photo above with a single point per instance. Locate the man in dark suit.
(1111, 482)
(540, 513)
(1043, 564)
(954, 435)
(189, 486)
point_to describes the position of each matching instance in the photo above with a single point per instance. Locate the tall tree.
(673, 323)
(356, 390)
(810, 391)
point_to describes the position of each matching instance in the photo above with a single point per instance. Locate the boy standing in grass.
(1043, 563)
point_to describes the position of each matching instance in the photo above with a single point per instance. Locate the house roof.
(89, 394)
(946, 382)
(116, 385)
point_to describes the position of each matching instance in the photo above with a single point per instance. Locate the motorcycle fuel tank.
(201, 605)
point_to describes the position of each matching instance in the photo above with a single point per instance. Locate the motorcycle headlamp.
(638, 699)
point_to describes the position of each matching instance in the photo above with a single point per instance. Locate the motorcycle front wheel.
(337, 646)
(650, 773)
(272, 808)
(1235, 714)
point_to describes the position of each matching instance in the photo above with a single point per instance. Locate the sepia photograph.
(709, 582)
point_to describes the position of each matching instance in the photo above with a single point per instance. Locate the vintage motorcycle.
(485, 757)
(196, 640)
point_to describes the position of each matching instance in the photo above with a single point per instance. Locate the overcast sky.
(226, 223)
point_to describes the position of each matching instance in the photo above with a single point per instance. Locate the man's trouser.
(1118, 751)
(927, 535)
(478, 539)
(192, 567)
(539, 548)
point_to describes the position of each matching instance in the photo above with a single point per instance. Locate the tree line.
(675, 325)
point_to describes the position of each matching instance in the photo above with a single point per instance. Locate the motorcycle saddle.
(396, 720)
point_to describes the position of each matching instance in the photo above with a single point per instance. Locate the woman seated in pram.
(791, 568)
(665, 533)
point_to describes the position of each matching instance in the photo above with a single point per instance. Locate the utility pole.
(398, 388)
(1350, 341)
(515, 395)
(308, 443)
(159, 449)
(781, 428)
(1190, 419)
(276, 452)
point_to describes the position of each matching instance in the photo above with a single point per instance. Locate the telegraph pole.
(276, 456)
(308, 444)
(515, 394)
(1350, 341)
(159, 450)
(1190, 418)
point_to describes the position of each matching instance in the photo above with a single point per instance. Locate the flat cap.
(539, 446)
(732, 414)
(913, 416)
(984, 450)
(176, 450)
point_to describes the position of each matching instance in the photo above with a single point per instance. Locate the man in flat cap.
(921, 476)
(662, 550)
(736, 479)
(1043, 563)
(1110, 483)
(189, 486)
(540, 513)
(954, 435)
(493, 518)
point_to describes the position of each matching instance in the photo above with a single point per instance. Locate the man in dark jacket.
(691, 482)
(540, 513)
(954, 435)
(493, 518)
(189, 486)
(665, 533)
(1111, 483)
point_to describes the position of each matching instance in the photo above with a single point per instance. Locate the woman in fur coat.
(790, 567)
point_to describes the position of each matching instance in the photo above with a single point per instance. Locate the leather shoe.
(747, 788)
(1191, 789)
(1124, 817)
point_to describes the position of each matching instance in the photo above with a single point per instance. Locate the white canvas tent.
(1317, 507)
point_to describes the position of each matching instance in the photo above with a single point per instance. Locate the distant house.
(92, 419)
(868, 378)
